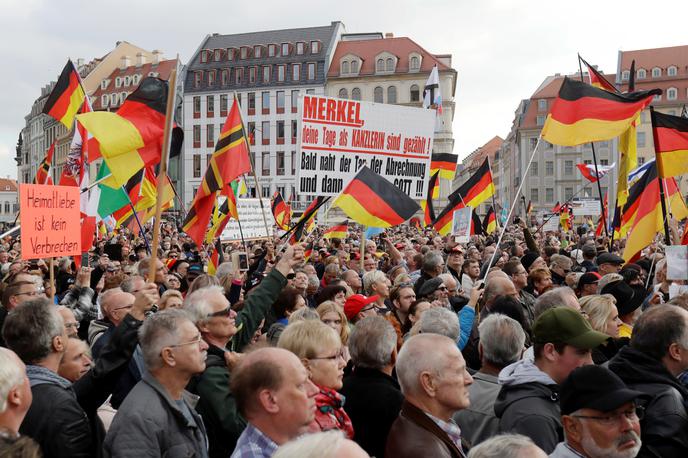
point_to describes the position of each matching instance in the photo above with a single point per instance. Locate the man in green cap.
(528, 402)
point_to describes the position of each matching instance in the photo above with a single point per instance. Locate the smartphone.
(240, 259)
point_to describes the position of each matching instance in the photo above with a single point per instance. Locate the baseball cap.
(355, 304)
(589, 278)
(609, 258)
(565, 325)
(456, 249)
(594, 387)
(429, 287)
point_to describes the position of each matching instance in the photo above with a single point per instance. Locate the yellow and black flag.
(490, 221)
(67, 97)
(433, 193)
(445, 164)
(371, 200)
(582, 113)
(671, 144)
(306, 223)
(281, 211)
(43, 172)
(229, 160)
(338, 231)
(597, 79)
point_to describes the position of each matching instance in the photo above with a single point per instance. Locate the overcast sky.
(502, 49)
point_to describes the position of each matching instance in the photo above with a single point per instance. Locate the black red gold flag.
(67, 96)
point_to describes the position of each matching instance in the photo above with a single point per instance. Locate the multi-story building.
(553, 175)
(268, 72)
(393, 70)
(41, 130)
(9, 201)
(663, 68)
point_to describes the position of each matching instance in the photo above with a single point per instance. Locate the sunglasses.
(222, 313)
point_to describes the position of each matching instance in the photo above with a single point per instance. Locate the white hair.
(421, 353)
(372, 342)
(197, 304)
(11, 376)
(438, 320)
(372, 277)
(318, 445)
(504, 446)
(502, 339)
(159, 331)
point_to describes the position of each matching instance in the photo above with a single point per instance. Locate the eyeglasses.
(74, 325)
(197, 340)
(370, 307)
(222, 313)
(610, 420)
(340, 354)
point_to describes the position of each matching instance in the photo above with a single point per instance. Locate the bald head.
(498, 286)
(421, 353)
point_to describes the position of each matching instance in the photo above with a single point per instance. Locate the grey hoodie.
(528, 404)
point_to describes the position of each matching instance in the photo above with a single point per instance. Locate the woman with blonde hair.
(333, 316)
(603, 316)
(170, 299)
(319, 348)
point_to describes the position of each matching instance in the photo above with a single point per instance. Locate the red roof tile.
(5, 182)
(658, 57)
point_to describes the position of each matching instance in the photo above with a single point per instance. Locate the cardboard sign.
(677, 262)
(339, 136)
(50, 221)
(252, 223)
(586, 207)
(461, 224)
(552, 224)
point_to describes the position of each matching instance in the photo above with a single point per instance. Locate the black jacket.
(373, 401)
(664, 429)
(63, 418)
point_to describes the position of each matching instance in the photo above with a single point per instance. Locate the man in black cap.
(657, 354)
(628, 302)
(589, 254)
(609, 263)
(528, 402)
(587, 284)
(599, 414)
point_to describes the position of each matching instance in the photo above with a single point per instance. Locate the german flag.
(371, 200)
(142, 192)
(582, 113)
(215, 258)
(306, 223)
(280, 211)
(43, 172)
(649, 220)
(229, 160)
(477, 227)
(671, 144)
(132, 138)
(338, 231)
(624, 216)
(490, 221)
(529, 208)
(308, 252)
(227, 210)
(67, 96)
(684, 239)
(597, 79)
(472, 193)
(565, 218)
(445, 164)
(556, 208)
(433, 193)
(603, 218)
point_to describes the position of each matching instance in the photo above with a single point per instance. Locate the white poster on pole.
(585, 207)
(337, 137)
(677, 262)
(252, 223)
(550, 222)
(461, 224)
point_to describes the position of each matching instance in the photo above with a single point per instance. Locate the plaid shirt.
(254, 444)
(451, 428)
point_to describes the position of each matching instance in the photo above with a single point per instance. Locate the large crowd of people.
(404, 345)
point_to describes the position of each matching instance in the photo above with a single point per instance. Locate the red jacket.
(329, 413)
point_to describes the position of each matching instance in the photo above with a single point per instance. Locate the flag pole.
(511, 207)
(259, 191)
(494, 203)
(594, 160)
(582, 188)
(660, 175)
(162, 173)
(138, 221)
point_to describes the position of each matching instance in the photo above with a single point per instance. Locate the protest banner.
(677, 262)
(252, 224)
(338, 137)
(461, 224)
(585, 207)
(552, 222)
(50, 221)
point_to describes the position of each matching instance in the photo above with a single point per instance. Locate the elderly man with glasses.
(21, 287)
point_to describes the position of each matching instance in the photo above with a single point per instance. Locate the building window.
(265, 102)
(392, 94)
(533, 143)
(266, 74)
(549, 168)
(280, 72)
(672, 93)
(415, 93)
(197, 165)
(266, 164)
(345, 67)
(238, 75)
(311, 71)
(568, 168)
(294, 101)
(280, 101)
(198, 78)
(534, 169)
(280, 131)
(252, 134)
(251, 101)
(414, 63)
(549, 195)
(265, 132)
(568, 193)
(211, 78)
(377, 95)
(310, 91)
(105, 100)
(604, 162)
(380, 65)
(272, 50)
(295, 72)
(390, 65)
(204, 56)
(641, 160)
(671, 71)
(224, 77)
(196, 136)
(218, 55)
(534, 195)
(280, 163)
(540, 120)
(223, 104)
(293, 163)
(625, 75)
(285, 49)
(641, 140)
(210, 105)
(294, 130)
(354, 66)
(7, 207)
(300, 47)
(641, 74)
(657, 98)
(315, 47)
(230, 54)
(356, 94)
(542, 105)
(343, 93)
(251, 75)
(656, 72)
(210, 135)
(257, 50)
